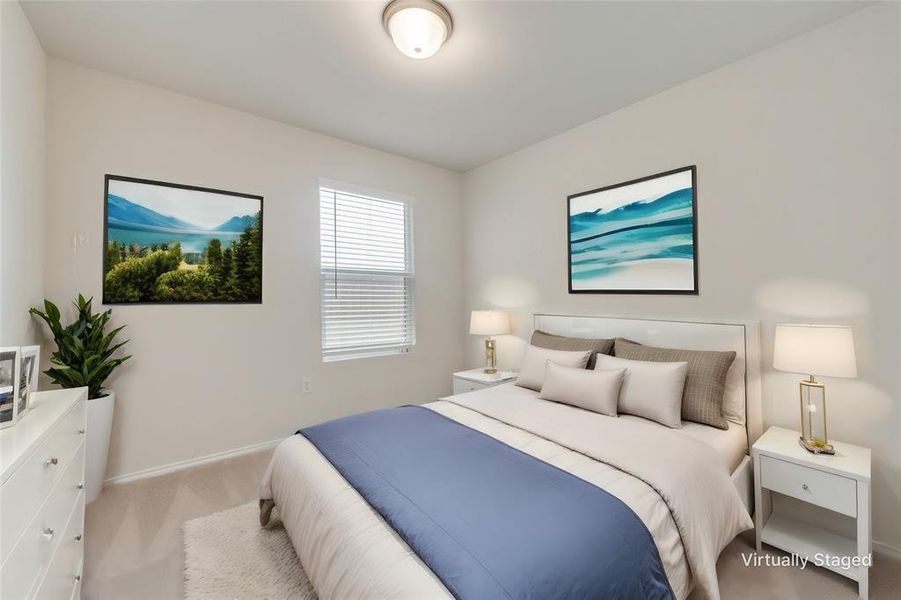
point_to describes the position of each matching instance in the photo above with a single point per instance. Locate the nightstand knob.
(804, 487)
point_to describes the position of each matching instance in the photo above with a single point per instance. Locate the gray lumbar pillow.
(551, 341)
(705, 383)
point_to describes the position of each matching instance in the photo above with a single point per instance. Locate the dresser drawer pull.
(81, 486)
(81, 431)
(51, 462)
(78, 578)
(804, 487)
(47, 533)
(78, 538)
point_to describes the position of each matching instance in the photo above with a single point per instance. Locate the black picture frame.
(695, 260)
(106, 184)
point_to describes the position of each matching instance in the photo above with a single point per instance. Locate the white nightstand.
(839, 483)
(475, 379)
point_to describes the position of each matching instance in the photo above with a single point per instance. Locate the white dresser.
(42, 499)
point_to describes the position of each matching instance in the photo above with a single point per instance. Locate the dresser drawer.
(816, 487)
(461, 386)
(76, 591)
(24, 492)
(63, 574)
(30, 557)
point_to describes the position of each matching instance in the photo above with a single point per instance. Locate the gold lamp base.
(814, 437)
(490, 357)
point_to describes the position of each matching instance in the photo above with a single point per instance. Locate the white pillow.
(596, 391)
(652, 390)
(534, 364)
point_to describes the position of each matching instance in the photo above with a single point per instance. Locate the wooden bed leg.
(266, 507)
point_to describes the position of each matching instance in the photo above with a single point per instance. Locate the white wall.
(23, 72)
(212, 378)
(799, 190)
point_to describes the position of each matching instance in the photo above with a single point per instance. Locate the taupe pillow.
(705, 384)
(550, 341)
(534, 364)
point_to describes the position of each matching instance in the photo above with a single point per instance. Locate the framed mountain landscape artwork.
(171, 243)
(636, 237)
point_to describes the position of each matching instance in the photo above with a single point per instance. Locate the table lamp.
(815, 350)
(489, 323)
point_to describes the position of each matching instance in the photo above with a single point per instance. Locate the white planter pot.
(100, 423)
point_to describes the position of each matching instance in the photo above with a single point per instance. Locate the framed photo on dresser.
(635, 237)
(10, 366)
(28, 376)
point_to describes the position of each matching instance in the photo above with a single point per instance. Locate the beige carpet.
(228, 555)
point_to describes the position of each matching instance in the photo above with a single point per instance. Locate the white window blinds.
(366, 275)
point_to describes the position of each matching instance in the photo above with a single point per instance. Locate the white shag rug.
(228, 555)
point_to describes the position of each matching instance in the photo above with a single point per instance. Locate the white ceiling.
(513, 73)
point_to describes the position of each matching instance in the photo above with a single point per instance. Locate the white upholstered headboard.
(743, 378)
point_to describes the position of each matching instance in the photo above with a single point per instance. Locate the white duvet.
(678, 486)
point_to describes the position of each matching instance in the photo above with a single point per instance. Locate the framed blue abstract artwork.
(636, 237)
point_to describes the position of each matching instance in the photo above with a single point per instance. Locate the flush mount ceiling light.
(418, 27)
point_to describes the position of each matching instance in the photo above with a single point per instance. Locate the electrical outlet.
(306, 385)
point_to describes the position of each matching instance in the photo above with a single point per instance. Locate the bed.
(693, 498)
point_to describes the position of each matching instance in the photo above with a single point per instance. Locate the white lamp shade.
(489, 322)
(815, 350)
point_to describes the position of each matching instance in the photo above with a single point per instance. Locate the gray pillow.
(550, 341)
(705, 384)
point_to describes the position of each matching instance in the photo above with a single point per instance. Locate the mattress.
(731, 444)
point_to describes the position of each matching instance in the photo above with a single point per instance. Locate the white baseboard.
(191, 462)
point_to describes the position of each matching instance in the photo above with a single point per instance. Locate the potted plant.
(84, 358)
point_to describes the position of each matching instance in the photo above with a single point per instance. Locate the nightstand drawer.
(461, 386)
(833, 492)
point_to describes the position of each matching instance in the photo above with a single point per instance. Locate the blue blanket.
(490, 520)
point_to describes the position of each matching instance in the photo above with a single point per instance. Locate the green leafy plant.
(84, 350)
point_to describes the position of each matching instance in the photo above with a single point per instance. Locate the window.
(366, 249)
